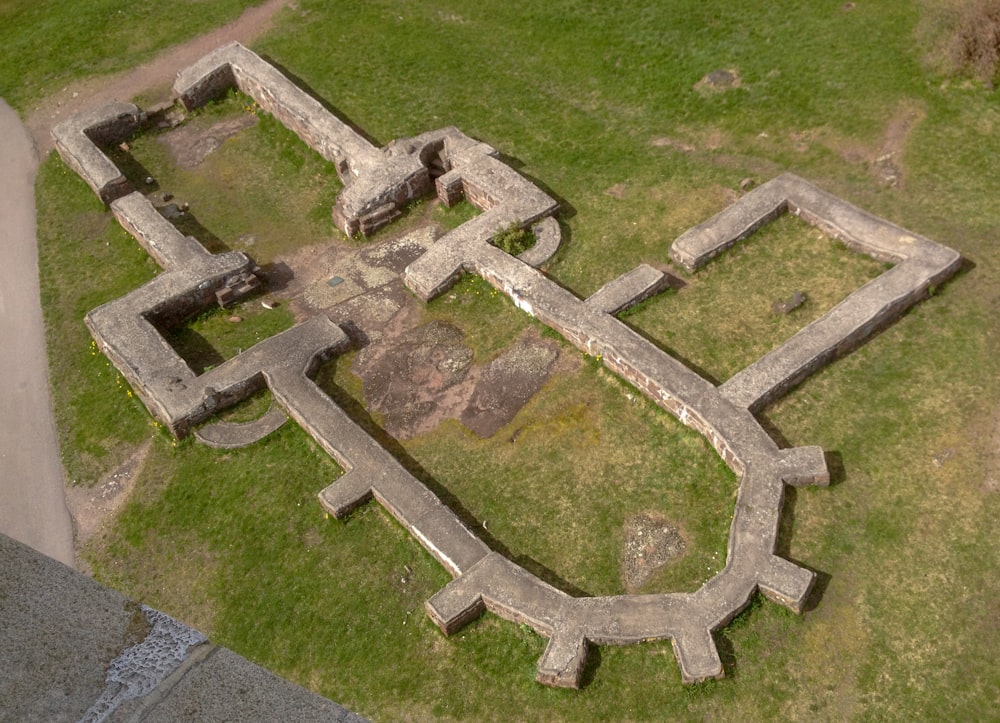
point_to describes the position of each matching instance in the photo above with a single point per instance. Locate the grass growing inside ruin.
(262, 191)
(213, 336)
(597, 102)
(487, 317)
(554, 488)
(558, 485)
(251, 408)
(723, 318)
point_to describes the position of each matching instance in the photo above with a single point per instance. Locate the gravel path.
(32, 506)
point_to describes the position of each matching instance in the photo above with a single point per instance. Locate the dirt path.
(155, 76)
(32, 507)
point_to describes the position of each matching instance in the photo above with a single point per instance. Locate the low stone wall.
(78, 140)
(169, 247)
(234, 66)
(921, 265)
(378, 182)
(232, 435)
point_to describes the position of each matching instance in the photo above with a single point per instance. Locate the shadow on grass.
(357, 412)
(723, 641)
(835, 466)
(131, 168)
(700, 371)
(727, 653)
(277, 275)
(311, 92)
(592, 665)
(834, 459)
(786, 530)
(189, 225)
(193, 348)
(566, 209)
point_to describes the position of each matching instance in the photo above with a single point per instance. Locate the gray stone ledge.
(77, 139)
(627, 290)
(169, 247)
(61, 633)
(548, 236)
(231, 435)
(697, 246)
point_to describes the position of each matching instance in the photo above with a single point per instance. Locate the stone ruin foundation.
(378, 182)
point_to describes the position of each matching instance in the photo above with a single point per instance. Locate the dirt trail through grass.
(154, 76)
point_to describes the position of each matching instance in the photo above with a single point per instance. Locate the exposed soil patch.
(651, 541)
(888, 164)
(666, 142)
(507, 383)
(91, 507)
(322, 277)
(191, 143)
(414, 374)
(416, 379)
(885, 161)
(719, 81)
(619, 190)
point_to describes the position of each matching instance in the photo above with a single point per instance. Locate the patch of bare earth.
(886, 160)
(417, 378)
(651, 542)
(508, 382)
(719, 81)
(192, 143)
(92, 507)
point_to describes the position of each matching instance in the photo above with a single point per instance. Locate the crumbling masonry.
(452, 165)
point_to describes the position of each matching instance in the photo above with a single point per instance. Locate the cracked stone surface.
(140, 668)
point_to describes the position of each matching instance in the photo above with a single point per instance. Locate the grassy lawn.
(598, 104)
(722, 319)
(50, 43)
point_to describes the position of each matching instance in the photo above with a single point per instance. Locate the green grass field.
(598, 104)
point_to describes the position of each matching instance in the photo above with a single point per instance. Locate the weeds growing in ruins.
(514, 240)
(975, 47)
